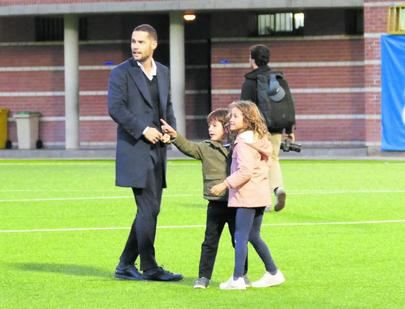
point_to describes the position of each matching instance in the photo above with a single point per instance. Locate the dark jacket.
(214, 159)
(130, 106)
(249, 90)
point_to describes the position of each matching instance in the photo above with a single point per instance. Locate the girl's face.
(236, 123)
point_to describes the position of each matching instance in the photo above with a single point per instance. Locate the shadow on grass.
(84, 271)
(67, 269)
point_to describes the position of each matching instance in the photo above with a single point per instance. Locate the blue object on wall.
(393, 92)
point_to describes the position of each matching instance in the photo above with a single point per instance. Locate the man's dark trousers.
(141, 239)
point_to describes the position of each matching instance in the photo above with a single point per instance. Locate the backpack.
(279, 115)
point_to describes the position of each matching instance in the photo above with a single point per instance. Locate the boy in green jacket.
(213, 155)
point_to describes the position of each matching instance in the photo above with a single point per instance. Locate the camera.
(287, 146)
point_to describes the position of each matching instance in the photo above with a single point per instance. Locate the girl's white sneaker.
(269, 280)
(231, 284)
(247, 281)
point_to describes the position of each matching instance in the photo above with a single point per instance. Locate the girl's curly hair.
(252, 117)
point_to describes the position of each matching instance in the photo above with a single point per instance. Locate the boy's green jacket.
(214, 158)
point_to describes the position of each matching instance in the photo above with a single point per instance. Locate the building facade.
(329, 52)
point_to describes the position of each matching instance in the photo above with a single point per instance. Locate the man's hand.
(218, 189)
(153, 135)
(291, 136)
(168, 129)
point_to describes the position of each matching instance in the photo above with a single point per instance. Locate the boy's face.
(216, 131)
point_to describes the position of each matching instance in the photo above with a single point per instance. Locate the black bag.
(276, 104)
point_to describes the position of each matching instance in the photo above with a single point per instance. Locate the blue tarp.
(393, 92)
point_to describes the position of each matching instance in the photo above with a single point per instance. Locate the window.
(396, 20)
(52, 28)
(280, 23)
(353, 22)
(49, 29)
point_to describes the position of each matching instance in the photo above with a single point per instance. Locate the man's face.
(142, 46)
(252, 62)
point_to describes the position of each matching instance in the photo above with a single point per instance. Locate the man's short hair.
(147, 28)
(219, 114)
(260, 54)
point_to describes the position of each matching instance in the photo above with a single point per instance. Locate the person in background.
(259, 59)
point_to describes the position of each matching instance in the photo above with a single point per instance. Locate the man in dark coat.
(138, 97)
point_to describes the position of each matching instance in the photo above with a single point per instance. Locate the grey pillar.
(178, 69)
(71, 48)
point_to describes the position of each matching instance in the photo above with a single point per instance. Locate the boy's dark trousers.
(218, 213)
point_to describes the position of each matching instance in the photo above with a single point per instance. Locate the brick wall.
(32, 77)
(335, 77)
(375, 24)
(326, 76)
(31, 2)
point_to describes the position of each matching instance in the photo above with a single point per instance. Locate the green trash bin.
(27, 129)
(4, 142)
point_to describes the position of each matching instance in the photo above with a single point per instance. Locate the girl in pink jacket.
(249, 192)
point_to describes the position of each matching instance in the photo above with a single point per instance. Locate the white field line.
(23, 200)
(39, 163)
(58, 190)
(85, 198)
(360, 191)
(90, 163)
(180, 227)
(28, 200)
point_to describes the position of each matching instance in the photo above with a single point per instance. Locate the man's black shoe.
(159, 274)
(128, 272)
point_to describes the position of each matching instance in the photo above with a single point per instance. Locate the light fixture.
(189, 16)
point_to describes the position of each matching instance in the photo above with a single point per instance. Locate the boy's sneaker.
(247, 281)
(269, 280)
(201, 283)
(231, 284)
(280, 197)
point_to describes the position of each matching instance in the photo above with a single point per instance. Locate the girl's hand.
(218, 189)
(168, 129)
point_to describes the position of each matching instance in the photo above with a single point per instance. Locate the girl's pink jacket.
(249, 180)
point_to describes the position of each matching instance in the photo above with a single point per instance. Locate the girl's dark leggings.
(248, 224)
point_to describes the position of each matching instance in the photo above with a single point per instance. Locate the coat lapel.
(163, 89)
(139, 79)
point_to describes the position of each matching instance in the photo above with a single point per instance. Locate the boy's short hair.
(219, 114)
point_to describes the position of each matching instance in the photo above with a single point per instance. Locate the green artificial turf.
(339, 241)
